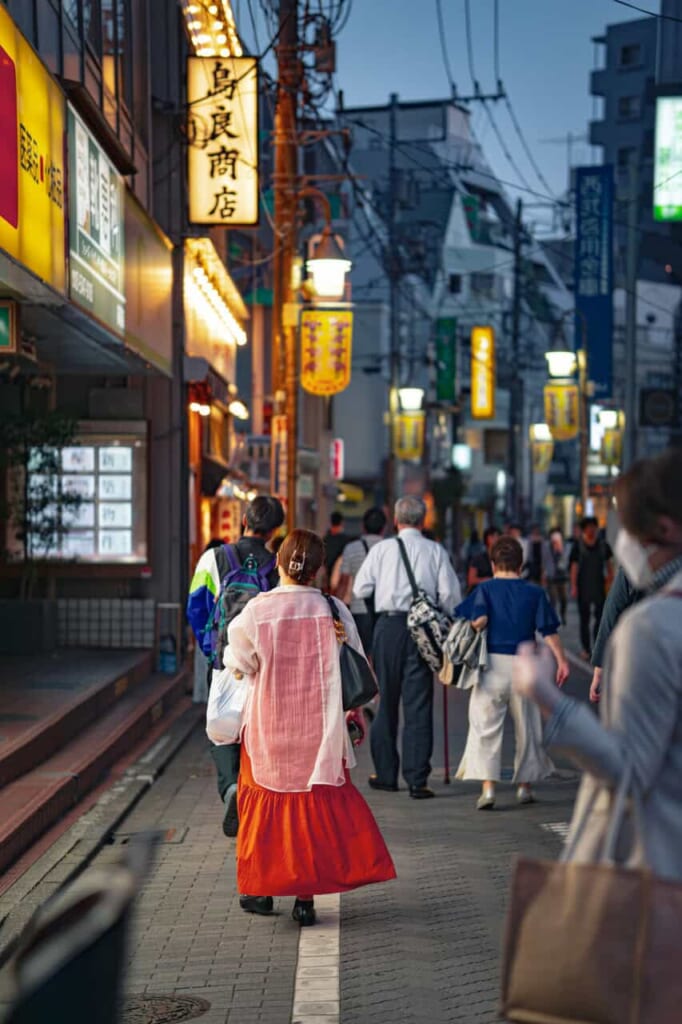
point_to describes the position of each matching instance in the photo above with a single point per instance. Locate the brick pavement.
(424, 948)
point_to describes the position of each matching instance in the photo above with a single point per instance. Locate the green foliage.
(35, 506)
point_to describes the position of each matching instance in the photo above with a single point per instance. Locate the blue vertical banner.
(594, 190)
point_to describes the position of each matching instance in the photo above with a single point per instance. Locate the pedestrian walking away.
(335, 540)
(591, 569)
(480, 568)
(304, 828)
(354, 554)
(225, 578)
(512, 611)
(533, 568)
(640, 725)
(402, 673)
(555, 571)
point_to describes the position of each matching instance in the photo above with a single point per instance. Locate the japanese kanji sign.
(542, 453)
(594, 273)
(222, 95)
(482, 373)
(326, 340)
(408, 435)
(562, 410)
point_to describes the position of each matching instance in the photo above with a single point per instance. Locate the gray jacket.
(641, 720)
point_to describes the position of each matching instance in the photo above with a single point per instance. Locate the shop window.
(630, 56)
(629, 108)
(495, 447)
(108, 470)
(48, 35)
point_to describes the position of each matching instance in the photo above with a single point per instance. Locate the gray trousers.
(402, 675)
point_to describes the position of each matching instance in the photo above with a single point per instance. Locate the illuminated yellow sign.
(222, 95)
(482, 373)
(408, 435)
(562, 410)
(31, 159)
(542, 453)
(326, 341)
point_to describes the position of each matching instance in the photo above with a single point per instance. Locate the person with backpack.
(402, 672)
(354, 554)
(591, 568)
(224, 581)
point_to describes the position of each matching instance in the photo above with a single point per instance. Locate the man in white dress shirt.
(401, 671)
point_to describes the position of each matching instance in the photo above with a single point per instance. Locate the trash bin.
(69, 963)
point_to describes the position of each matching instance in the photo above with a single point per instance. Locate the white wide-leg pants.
(490, 699)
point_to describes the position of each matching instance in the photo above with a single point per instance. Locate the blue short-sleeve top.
(516, 610)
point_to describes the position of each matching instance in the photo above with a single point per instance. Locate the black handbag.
(358, 682)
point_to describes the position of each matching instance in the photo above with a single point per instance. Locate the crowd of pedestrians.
(270, 631)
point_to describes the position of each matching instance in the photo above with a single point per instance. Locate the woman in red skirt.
(303, 827)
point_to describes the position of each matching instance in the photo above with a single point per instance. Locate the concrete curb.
(72, 852)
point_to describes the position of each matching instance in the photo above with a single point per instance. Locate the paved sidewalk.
(423, 949)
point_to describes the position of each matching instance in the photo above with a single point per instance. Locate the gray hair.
(409, 511)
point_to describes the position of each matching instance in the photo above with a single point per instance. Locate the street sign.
(657, 407)
(483, 373)
(279, 461)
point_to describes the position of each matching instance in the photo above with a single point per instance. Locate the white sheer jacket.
(294, 726)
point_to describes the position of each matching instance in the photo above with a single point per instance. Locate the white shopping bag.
(226, 699)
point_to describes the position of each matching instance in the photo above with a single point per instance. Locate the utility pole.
(632, 260)
(284, 348)
(515, 391)
(393, 267)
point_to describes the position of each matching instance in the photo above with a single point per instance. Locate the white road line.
(557, 828)
(316, 996)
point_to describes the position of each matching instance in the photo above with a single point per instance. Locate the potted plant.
(37, 511)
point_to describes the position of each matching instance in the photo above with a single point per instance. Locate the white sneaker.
(486, 800)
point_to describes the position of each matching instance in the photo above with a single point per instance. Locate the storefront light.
(238, 409)
(201, 408)
(561, 364)
(411, 399)
(609, 419)
(328, 266)
(540, 432)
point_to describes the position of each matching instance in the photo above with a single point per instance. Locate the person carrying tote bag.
(623, 864)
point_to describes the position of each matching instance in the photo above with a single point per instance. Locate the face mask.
(634, 558)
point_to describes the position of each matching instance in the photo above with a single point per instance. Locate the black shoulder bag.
(358, 682)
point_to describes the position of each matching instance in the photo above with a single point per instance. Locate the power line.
(522, 139)
(443, 44)
(505, 148)
(643, 10)
(470, 47)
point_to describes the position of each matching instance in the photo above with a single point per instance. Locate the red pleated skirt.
(292, 844)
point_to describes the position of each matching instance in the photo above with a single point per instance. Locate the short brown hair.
(507, 554)
(301, 555)
(649, 489)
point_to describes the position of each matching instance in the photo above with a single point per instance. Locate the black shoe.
(231, 818)
(421, 793)
(385, 787)
(304, 913)
(256, 904)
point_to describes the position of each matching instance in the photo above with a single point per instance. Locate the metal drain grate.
(163, 1009)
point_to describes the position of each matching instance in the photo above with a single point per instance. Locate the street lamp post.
(562, 364)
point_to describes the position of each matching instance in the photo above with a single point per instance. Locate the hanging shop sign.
(483, 373)
(96, 229)
(562, 410)
(542, 454)
(612, 447)
(408, 435)
(594, 273)
(222, 94)
(667, 192)
(326, 343)
(279, 461)
(446, 359)
(31, 159)
(337, 461)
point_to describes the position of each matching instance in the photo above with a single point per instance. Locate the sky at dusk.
(545, 58)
